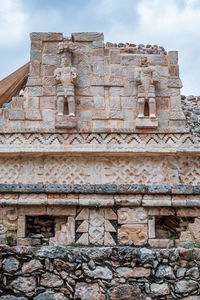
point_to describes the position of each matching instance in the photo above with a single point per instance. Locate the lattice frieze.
(95, 170)
(95, 138)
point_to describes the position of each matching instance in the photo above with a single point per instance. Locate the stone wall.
(98, 273)
(106, 91)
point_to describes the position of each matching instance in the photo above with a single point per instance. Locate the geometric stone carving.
(132, 215)
(133, 234)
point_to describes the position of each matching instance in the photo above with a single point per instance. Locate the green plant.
(10, 240)
(98, 205)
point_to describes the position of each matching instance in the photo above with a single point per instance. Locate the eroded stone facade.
(100, 149)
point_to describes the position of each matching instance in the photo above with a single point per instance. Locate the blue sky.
(173, 24)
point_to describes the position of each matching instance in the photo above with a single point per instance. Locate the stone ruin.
(99, 148)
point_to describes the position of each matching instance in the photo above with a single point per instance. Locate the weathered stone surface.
(160, 289)
(126, 292)
(133, 234)
(10, 264)
(132, 215)
(31, 266)
(165, 272)
(87, 36)
(24, 284)
(50, 296)
(185, 286)
(51, 280)
(85, 291)
(99, 272)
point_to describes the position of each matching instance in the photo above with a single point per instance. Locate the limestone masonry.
(100, 149)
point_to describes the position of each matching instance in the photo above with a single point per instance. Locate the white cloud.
(12, 22)
(176, 28)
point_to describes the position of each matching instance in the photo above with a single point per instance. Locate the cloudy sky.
(173, 24)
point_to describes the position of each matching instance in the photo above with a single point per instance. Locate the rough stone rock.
(52, 252)
(24, 284)
(10, 264)
(133, 272)
(9, 297)
(51, 280)
(86, 291)
(193, 272)
(180, 272)
(99, 272)
(165, 272)
(160, 289)
(50, 296)
(31, 266)
(185, 286)
(126, 292)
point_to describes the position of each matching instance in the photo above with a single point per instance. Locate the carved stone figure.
(66, 76)
(146, 79)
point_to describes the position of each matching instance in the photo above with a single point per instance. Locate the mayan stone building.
(97, 148)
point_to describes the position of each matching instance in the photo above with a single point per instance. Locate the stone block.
(48, 70)
(173, 57)
(33, 114)
(17, 102)
(48, 115)
(32, 210)
(116, 114)
(66, 235)
(179, 200)
(98, 44)
(157, 60)
(34, 81)
(97, 91)
(47, 36)
(173, 70)
(174, 82)
(128, 200)
(130, 59)
(156, 200)
(161, 243)
(49, 90)
(16, 114)
(32, 199)
(151, 227)
(32, 103)
(51, 47)
(34, 68)
(35, 91)
(146, 123)
(61, 211)
(65, 121)
(36, 56)
(51, 59)
(48, 102)
(21, 227)
(115, 56)
(96, 200)
(83, 227)
(135, 234)
(87, 37)
(62, 199)
(132, 215)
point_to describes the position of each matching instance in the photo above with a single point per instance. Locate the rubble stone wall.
(98, 273)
